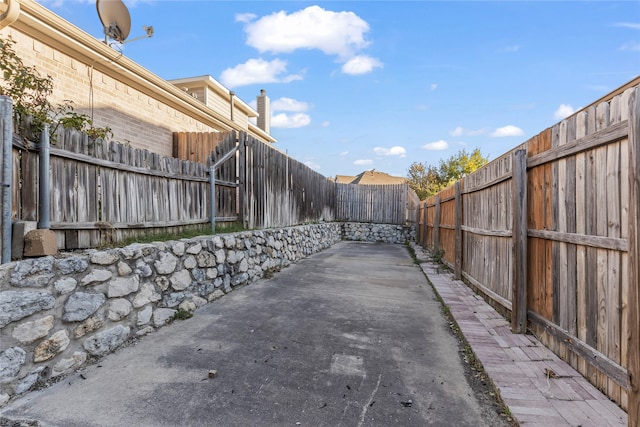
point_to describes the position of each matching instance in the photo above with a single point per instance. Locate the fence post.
(633, 296)
(242, 179)
(212, 197)
(6, 117)
(436, 225)
(519, 203)
(425, 228)
(44, 189)
(457, 271)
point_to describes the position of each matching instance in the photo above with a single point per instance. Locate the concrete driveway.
(352, 336)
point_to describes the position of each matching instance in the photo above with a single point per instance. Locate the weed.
(268, 273)
(437, 255)
(182, 315)
(412, 252)
(181, 233)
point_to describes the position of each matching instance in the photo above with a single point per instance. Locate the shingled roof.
(372, 177)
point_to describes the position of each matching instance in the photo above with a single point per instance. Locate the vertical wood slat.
(29, 164)
(457, 272)
(519, 202)
(16, 200)
(633, 297)
(581, 251)
(548, 225)
(571, 254)
(602, 289)
(436, 225)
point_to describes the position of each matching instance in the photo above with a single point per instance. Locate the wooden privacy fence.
(197, 146)
(275, 190)
(549, 232)
(280, 191)
(385, 204)
(102, 192)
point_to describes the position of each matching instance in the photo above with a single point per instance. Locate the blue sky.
(356, 85)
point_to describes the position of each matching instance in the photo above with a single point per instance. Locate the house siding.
(134, 117)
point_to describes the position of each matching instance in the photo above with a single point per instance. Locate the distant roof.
(344, 179)
(372, 177)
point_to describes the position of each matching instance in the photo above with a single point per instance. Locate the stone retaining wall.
(58, 313)
(385, 233)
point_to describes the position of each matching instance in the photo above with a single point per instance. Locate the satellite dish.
(115, 19)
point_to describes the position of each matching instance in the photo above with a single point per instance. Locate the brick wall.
(134, 117)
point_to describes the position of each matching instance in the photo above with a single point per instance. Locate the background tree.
(427, 180)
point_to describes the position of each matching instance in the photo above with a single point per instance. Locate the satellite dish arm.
(148, 30)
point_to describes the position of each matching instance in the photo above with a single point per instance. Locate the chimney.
(264, 111)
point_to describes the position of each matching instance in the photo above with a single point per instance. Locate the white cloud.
(393, 151)
(286, 120)
(436, 146)
(290, 121)
(460, 131)
(508, 130)
(363, 162)
(563, 111)
(433, 87)
(313, 165)
(257, 71)
(344, 154)
(632, 46)
(509, 49)
(361, 64)
(245, 17)
(289, 104)
(632, 25)
(334, 33)
(326, 124)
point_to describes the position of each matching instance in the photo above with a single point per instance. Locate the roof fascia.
(260, 133)
(216, 86)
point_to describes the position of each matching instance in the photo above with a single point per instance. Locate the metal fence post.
(44, 221)
(212, 197)
(6, 117)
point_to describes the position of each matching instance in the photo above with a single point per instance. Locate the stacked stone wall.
(382, 233)
(57, 314)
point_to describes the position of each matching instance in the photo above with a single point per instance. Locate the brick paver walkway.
(518, 364)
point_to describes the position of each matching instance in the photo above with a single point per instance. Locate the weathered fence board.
(632, 300)
(196, 146)
(385, 204)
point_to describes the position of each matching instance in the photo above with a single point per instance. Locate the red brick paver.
(518, 364)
